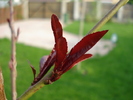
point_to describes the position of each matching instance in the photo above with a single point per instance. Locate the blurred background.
(66, 10)
(106, 76)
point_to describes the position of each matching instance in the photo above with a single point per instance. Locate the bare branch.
(33, 89)
(18, 32)
(12, 63)
(108, 16)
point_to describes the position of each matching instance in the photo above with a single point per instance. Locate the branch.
(12, 63)
(2, 92)
(108, 16)
(33, 89)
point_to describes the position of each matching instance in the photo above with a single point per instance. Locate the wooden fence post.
(2, 92)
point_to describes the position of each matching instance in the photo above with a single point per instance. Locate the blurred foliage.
(130, 2)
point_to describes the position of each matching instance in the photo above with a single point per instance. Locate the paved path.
(38, 32)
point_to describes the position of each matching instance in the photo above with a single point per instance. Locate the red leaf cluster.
(59, 57)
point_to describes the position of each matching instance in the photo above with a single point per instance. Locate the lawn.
(101, 78)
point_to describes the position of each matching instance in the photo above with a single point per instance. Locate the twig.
(33, 89)
(12, 63)
(108, 16)
(2, 92)
(42, 83)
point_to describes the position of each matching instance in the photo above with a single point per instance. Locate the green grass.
(107, 78)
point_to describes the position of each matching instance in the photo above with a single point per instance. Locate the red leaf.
(84, 57)
(72, 64)
(33, 70)
(81, 48)
(48, 64)
(60, 41)
(61, 49)
(87, 43)
(43, 61)
(56, 27)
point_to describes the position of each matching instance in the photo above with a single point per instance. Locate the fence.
(4, 13)
(44, 10)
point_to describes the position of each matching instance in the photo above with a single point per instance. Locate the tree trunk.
(2, 92)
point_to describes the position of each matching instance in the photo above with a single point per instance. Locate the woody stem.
(12, 63)
(108, 16)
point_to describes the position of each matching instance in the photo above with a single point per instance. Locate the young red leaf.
(87, 43)
(43, 61)
(33, 70)
(72, 64)
(82, 58)
(56, 27)
(61, 50)
(63, 61)
(60, 41)
(47, 65)
(81, 48)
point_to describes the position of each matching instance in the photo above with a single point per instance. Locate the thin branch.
(12, 63)
(44, 80)
(33, 89)
(108, 16)
(2, 92)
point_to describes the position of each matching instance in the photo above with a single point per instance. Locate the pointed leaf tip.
(33, 70)
(87, 42)
(56, 27)
(61, 50)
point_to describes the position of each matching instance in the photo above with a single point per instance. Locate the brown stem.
(12, 63)
(33, 89)
(2, 92)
